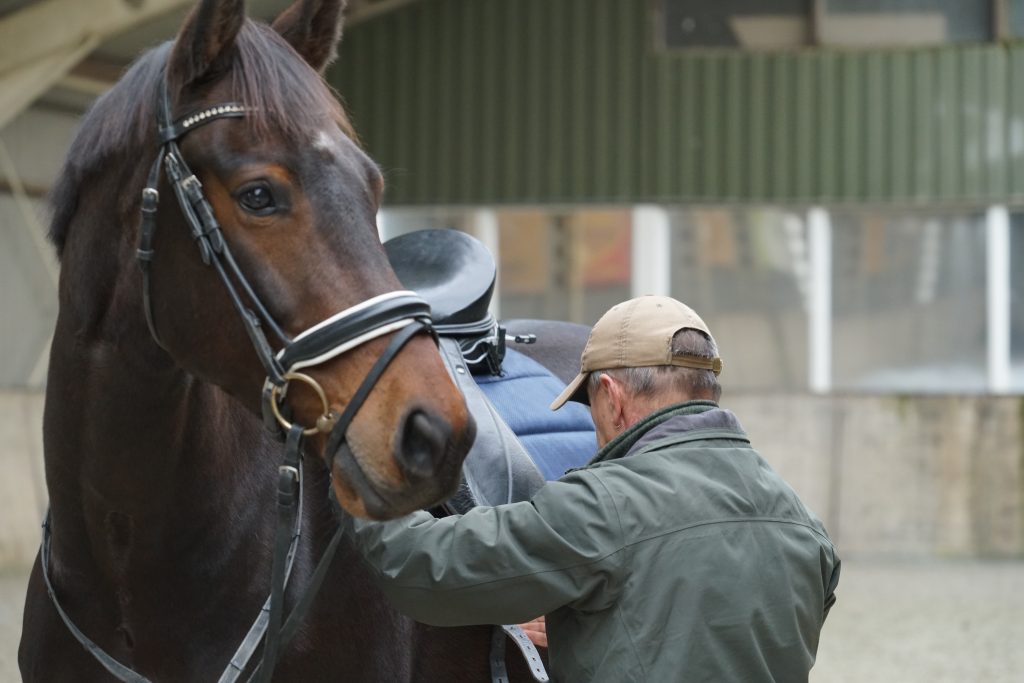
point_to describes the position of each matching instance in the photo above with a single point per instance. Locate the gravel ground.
(12, 601)
(906, 622)
(915, 622)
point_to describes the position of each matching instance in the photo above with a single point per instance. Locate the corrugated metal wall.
(548, 101)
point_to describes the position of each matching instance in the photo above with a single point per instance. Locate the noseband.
(403, 313)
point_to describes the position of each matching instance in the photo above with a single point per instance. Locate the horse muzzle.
(427, 456)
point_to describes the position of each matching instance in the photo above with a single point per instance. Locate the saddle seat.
(453, 271)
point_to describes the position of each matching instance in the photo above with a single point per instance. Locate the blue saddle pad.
(556, 440)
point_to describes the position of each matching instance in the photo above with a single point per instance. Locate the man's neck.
(639, 409)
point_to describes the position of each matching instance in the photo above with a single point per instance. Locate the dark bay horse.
(160, 474)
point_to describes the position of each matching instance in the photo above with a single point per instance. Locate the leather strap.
(499, 671)
(287, 496)
(175, 131)
(337, 436)
(497, 469)
(528, 650)
(289, 529)
(118, 670)
(359, 324)
(298, 613)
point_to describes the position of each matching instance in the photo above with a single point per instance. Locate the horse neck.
(153, 447)
(131, 439)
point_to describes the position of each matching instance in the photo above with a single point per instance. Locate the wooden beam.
(42, 42)
(30, 190)
(99, 70)
(49, 27)
(21, 87)
(92, 77)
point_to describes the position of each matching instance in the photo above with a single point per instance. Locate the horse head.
(294, 199)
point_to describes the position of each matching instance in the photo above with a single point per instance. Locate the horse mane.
(287, 97)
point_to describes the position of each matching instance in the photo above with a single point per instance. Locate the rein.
(403, 313)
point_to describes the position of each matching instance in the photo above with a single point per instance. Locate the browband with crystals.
(182, 126)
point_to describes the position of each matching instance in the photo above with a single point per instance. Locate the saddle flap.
(498, 469)
(453, 271)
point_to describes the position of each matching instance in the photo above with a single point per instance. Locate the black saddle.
(454, 272)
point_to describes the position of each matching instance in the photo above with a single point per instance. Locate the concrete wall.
(914, 476)
(890, 476)
(32, 148)
(22, 488)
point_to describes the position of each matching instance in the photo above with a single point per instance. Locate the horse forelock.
(285, 95)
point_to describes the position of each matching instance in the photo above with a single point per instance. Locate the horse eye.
(257, 199)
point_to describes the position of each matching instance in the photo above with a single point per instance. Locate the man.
(676, 554)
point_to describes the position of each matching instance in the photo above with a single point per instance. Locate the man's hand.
(537, 631)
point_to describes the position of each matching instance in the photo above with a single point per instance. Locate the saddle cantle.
(455, 273)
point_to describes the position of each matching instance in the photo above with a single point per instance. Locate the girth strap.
(527, 649)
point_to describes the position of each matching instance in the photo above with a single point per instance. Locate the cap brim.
(576, 391)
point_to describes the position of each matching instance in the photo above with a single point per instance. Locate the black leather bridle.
(403, 313)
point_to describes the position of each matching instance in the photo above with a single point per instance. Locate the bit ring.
(324, 423)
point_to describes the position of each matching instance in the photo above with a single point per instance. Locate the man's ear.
(617, 408)
(313, 28)
(204, 45)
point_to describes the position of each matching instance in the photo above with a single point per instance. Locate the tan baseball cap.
(634, 334)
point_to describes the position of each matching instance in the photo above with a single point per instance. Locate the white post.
(819, 313)
(382, 225)
(484, 225)
(997, 234)
(651, 266)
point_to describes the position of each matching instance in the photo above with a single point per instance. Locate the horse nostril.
(422, 445)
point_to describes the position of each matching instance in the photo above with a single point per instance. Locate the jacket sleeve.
(500, 565)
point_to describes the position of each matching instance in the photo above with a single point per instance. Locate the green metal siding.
(567, 101)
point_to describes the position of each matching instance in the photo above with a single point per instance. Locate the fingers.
(536, 631)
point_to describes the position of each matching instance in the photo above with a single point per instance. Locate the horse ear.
(203, 47)
(313, 28)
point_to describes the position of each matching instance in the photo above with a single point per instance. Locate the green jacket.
(676, 554)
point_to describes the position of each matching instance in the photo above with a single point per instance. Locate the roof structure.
(68, 52)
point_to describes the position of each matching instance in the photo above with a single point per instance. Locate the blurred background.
(837, 186)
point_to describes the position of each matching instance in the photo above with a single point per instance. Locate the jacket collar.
(670, 421)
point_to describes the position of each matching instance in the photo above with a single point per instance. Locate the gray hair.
(646, 382)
